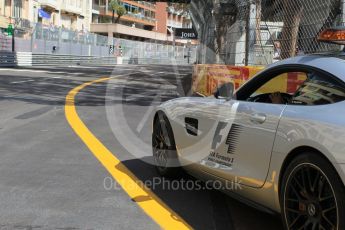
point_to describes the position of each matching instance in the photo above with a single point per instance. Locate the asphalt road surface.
(49, 179)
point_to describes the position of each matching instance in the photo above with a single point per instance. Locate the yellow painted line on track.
(145, 198)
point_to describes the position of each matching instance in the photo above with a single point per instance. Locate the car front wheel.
(164, 148)
(312, 195)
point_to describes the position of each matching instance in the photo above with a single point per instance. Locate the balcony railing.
(50, 3)
(102, 10)
(128, 30)
(147, 4)
(175, 24)
(65, 6)
(96, 7)
(140, 16)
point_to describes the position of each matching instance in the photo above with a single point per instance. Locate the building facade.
(143, 21)
(69, 14)
(5, 13)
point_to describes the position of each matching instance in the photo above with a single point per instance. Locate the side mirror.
(225, 91)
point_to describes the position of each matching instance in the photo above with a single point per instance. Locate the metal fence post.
(32, 38)
(59, 40)
(343, 12)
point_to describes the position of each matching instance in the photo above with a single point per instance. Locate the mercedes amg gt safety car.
(286, 149)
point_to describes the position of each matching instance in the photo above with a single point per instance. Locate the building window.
(17, 9)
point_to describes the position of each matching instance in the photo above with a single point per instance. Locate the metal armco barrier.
(53, 60)
(9, 59)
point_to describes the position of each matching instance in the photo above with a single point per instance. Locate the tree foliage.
(120, 11)
(117, 8)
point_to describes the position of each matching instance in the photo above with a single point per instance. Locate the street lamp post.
(12, 29)
(13, 40)
(174, 42)
(12, 8)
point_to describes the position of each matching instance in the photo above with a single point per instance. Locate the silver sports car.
(285, 149)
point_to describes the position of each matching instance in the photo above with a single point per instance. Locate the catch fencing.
(260, 32)
(50, 40)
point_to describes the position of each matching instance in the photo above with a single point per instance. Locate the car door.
(241, 149)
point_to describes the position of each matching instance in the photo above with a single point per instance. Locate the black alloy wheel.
(312, 195)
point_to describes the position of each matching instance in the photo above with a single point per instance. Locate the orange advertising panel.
(207, 78)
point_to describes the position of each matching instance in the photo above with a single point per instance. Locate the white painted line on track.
(90, 67)
(17, 82)
(181, 74)
(57, 72)
(73, 73)
(40, 71)
(23, 70)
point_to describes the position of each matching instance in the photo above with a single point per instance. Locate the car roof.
(334, 63)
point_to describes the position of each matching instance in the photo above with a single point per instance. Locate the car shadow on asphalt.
(200, 208)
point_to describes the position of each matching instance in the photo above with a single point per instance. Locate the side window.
(319, 90)
(287, 83)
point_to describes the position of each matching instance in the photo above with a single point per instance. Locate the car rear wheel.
(312, 195)
(164, 148)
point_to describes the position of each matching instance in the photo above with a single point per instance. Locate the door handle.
(258, 118)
